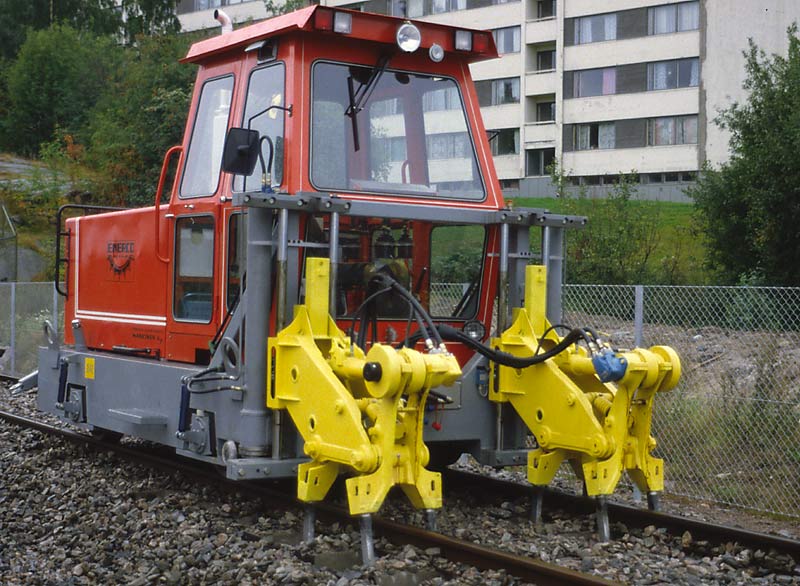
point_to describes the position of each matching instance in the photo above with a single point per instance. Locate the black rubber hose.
(437, 338)
(505, 358)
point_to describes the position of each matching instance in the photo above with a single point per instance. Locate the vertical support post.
(430, 520)
(257, 303)
(333, 254)
(283, 256)
(537, 500)
(280, 312)
(638, 315)
(603, 526)
(502, 317)
(308, 523)
(553, 259)
(367, 540)
(502, 296)
(13, 328)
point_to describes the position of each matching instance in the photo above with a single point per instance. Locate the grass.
(678, 238)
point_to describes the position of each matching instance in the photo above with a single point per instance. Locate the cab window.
(390, 132)
(194, 269)
(440, 265)
(203, 160)
(265, 98)
(456, 262)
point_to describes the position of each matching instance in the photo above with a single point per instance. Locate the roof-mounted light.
(323, 19)
(408, 37)
(436, 53)
(480, 42)
(463, 41)
(342, 22)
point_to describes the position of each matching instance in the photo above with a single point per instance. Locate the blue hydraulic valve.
(608, 366)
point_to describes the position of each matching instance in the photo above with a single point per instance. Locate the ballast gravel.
(75, 515)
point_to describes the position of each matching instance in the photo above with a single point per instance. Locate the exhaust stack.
(224, 20)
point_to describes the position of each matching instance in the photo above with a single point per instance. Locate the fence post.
(55, 310)
(13, 328)
(638, 315)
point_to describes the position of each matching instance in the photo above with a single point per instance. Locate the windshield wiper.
(360, 96)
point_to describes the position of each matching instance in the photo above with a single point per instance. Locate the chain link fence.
(729, 433)
(23, 309)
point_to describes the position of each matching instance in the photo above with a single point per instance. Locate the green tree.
(99, 17)
(617, 244)
(54, 82)
(142, 114)
(149, 17)
(616, 247)
(283, 6)
(750, 206)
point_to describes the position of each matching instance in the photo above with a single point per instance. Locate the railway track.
(456, 550)
(631, 516)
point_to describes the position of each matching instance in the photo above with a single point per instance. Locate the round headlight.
(408, 37)
(436, 53)
(475, 330)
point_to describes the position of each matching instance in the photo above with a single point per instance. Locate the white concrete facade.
(636, 117)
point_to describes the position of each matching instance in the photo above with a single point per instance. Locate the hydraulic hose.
(506, 359)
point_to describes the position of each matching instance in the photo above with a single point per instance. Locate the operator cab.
(362, 107)
(358, 107)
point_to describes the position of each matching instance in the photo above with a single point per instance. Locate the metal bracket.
(198, 438)
(75, 405)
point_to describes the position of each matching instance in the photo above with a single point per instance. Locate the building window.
(593, 29)
(538, 161)
(598, 135)
(437, 100)
(672, 130)
(595, 82)
(668, 75)
(545, 9)
(509, 184)
(496, 92)
(545, 112)
(450, 145)
(507, 39)
(546, 60)
(504, 141)
(673, 18)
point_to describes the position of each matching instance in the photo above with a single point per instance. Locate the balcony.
(508, 166)
(505, 116)
(628, 106)
(539, 83)
(507, 65)
(643, 49)
(664, 159)
(541, 31)
(540, 134)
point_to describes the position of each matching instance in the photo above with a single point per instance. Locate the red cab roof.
(365, 26)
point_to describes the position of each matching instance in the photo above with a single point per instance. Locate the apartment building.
(603, 87)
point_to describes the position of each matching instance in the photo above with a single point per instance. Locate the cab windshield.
(379, 130)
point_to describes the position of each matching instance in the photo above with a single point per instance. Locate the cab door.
(194, 296)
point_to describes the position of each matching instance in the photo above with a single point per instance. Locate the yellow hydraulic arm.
(600, 428)
(357, 413)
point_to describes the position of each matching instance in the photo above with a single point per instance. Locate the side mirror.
(241, 151)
